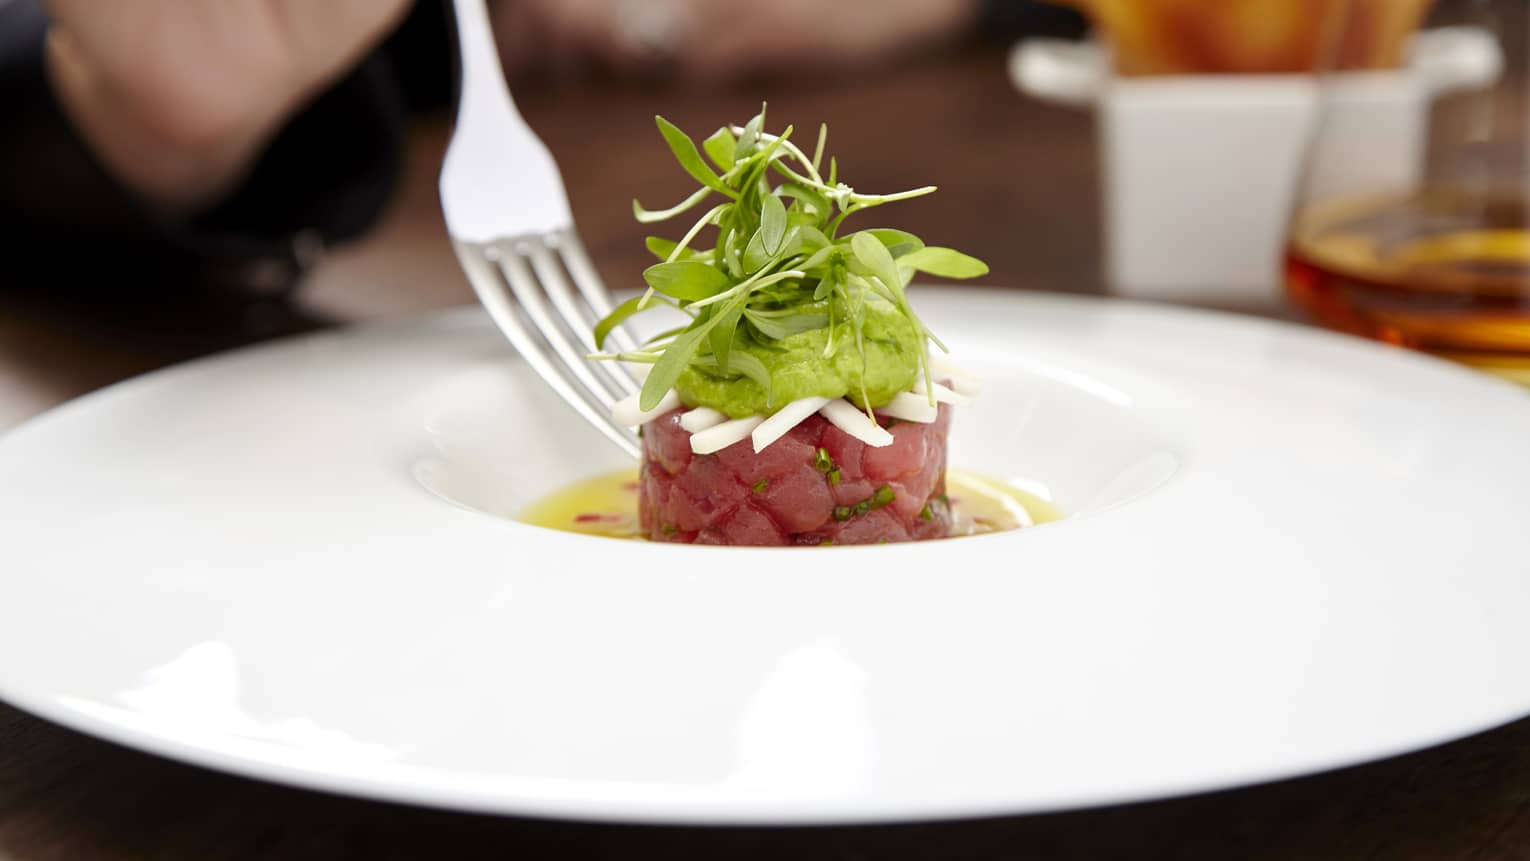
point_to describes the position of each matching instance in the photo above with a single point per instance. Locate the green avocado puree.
(798, 368)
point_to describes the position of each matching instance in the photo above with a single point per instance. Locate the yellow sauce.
(607, 506)
(980, 504)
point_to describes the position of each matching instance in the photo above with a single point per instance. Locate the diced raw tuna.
(816, 485)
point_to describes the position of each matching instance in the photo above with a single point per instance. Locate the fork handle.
(498, 179)
(481, 78)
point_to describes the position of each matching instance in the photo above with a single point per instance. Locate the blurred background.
(186, 176)
(332, 215)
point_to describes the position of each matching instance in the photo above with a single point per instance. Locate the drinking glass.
(1412, 222)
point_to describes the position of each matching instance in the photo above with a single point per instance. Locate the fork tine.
(575, 321)
(589, 284)
(526, 288)
(489, 281)
(494, 157)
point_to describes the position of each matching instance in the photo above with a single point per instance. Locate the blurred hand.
(178, 97)
(720, 39)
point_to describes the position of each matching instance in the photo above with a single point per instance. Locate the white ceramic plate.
(1290, 551)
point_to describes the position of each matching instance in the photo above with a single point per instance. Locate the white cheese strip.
(843, 415)
(625, 412)
(638, 370)
(910, 408)
(715, 439)
(943, 395)
(783, 420)
(963, 381)
(701, 418)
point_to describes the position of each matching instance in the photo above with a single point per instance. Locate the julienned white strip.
(843, 415)
(943, 395)
(626, 412)
(638, 370)
(910, 408)
(701, 418)
(962, 381)
(783, 420)
(715, 439)
(712, 431)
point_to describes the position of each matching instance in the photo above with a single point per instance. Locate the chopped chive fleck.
(640, 431)
(759, 486)
(825, 465)
(669, 529)
(883, 496)
(925, 514)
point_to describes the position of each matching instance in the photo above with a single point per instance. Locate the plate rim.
(405, 786)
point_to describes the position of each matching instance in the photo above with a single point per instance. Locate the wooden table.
(1017, 188)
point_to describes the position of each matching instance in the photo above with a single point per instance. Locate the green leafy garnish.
(779, 265)
(945, 262)
(686, 279)
(685, 153)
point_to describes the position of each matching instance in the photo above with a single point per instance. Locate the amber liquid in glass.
(1442, 271)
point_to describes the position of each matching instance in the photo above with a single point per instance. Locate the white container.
(1199, 171)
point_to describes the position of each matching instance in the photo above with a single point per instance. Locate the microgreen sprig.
(779, 266)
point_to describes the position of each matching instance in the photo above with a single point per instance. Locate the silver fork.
(514, 235)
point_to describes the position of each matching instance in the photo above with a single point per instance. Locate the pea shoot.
(779, 264)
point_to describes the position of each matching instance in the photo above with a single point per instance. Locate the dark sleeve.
(1006, 19)
(72, 228)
